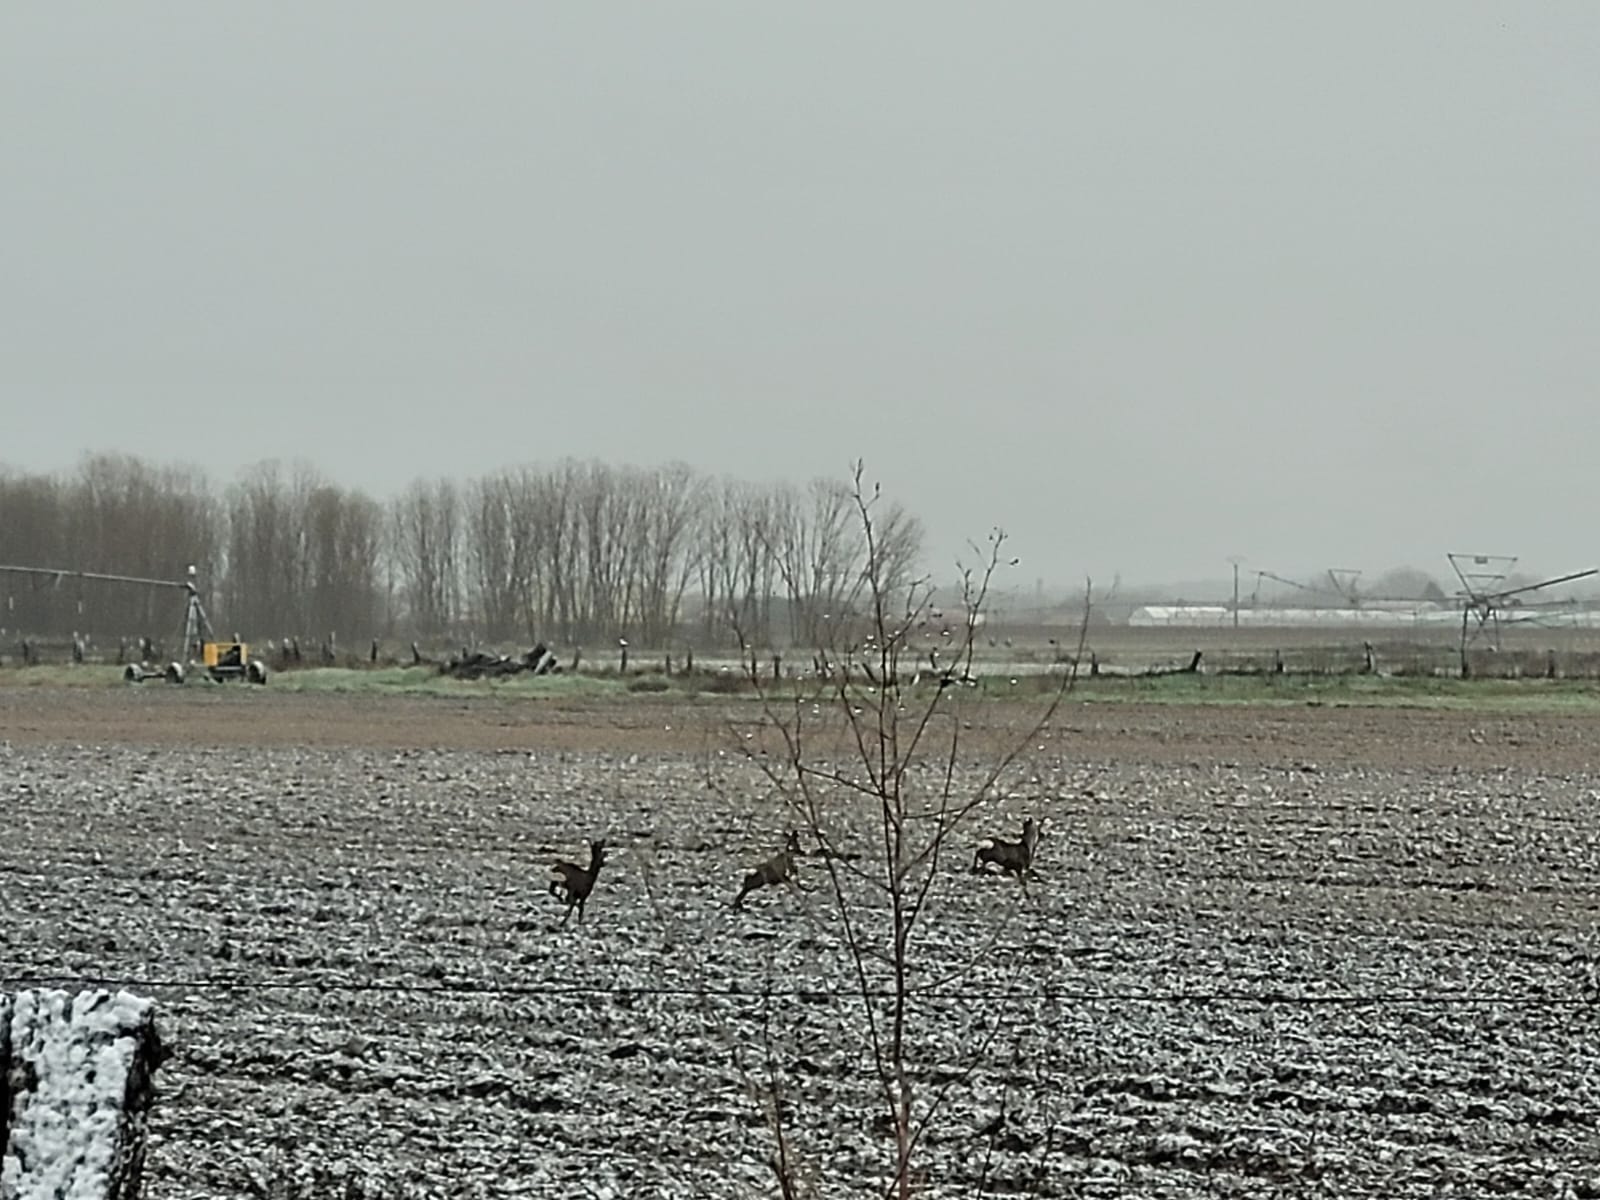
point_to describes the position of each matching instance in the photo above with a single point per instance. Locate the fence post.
(75, 1092)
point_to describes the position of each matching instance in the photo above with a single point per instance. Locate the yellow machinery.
(231, 660)
(224, 654)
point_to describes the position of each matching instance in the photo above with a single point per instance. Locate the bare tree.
(582, 549)
(32, 533)
(115, 514)
(568, 551)
(425, 526)
(554, 511)
(821, 554)
(672, 498)
(495, 553)
(875, 742)
(816, 558)
(739, 527)
(293, 540)
(716, 560)
(343, 532)
(608, 514)
(260, 561)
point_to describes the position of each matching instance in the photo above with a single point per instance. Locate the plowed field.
(1271, 952)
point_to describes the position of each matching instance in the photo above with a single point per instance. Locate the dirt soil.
(1279, 952)
(224, 717)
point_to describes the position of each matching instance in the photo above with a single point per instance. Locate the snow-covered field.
(1244, 980)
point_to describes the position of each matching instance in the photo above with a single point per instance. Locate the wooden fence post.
(75, 1092)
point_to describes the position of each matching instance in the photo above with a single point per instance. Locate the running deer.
(777, 869)
(578, 881)
(1013, 858)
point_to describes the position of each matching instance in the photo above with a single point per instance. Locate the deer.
(1013, 858)
(578, 881)
(777, 869)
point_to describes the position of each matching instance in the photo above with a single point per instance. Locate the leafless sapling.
(866, 742)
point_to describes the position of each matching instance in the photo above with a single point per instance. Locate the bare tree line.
(568, 552)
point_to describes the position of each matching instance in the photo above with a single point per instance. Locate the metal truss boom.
(196, 624)
(58, 575)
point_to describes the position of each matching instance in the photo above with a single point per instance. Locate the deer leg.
(752, 882)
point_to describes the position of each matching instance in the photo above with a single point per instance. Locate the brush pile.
(479, 664)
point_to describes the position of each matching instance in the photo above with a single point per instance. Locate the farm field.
(1285, 951)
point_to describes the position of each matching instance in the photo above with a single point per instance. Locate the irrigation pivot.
(1483, 593)
(220, 659)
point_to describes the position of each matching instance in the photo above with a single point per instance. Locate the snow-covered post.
(75, 1090)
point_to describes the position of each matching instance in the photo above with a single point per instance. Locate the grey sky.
(1146, 284)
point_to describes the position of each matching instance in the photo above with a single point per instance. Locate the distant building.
(1189, 615)
(1390, 616)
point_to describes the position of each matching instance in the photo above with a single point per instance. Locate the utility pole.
(1236, 559)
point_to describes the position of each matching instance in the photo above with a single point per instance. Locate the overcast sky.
(1148, 285)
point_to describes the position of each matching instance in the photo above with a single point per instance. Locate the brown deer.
(578, 881)
(1013, 858)
(777, 869)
